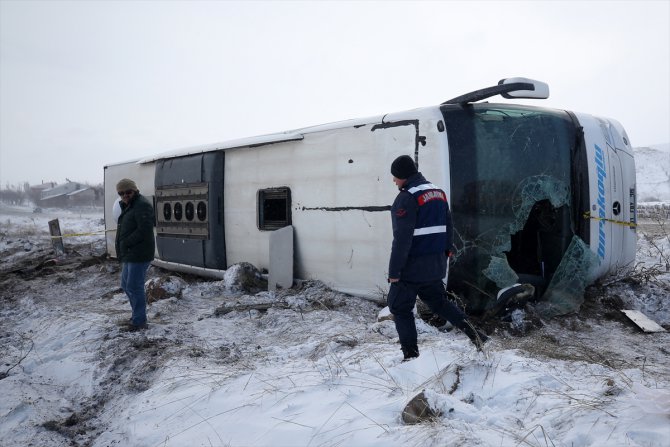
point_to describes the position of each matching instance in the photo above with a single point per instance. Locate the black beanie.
(403, 167)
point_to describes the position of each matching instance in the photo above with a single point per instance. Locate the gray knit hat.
(126, 184)
(403, 167)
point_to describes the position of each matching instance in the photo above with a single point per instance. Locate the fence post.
(56, 239)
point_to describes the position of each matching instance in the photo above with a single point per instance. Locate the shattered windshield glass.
(511, 199)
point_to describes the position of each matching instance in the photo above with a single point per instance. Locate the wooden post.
(56, 239)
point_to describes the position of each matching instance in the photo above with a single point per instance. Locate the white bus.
(538, 196)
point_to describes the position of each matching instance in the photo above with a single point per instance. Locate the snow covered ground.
(314, 369)
(653, 173)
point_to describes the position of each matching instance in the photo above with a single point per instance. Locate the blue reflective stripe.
(430, 230)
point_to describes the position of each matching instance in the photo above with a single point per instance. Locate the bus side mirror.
(508, 88)
(540, 89)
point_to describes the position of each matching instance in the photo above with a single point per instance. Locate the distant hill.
(661, 147)
(652, 166)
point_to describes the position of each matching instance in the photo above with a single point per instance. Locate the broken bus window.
(514, 170)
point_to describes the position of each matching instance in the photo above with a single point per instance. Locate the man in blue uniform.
(422, 241)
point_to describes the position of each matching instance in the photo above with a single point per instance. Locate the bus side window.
(274, 208)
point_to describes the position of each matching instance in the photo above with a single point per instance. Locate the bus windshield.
(515, 174)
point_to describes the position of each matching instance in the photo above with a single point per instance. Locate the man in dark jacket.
(135, 246)
(422, 242)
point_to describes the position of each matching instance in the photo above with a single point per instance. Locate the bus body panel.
(340, 192)
(612, 194)
(625, 150)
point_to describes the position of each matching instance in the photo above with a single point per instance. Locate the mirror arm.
(501, 89)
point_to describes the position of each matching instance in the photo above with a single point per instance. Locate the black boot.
(410, 352)
(477, 337)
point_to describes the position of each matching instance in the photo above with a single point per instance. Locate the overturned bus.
(539, 196)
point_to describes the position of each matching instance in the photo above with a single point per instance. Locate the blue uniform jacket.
(422, 232)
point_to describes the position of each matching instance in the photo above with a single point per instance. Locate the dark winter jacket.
(135, 231)
(422, 232)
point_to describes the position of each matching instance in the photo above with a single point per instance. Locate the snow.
(653, 173)
(316, 368)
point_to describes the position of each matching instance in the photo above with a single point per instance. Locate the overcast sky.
(88, 83)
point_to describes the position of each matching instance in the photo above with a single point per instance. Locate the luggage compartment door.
(189, 210)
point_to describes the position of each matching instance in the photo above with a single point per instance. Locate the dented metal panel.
(642, 321)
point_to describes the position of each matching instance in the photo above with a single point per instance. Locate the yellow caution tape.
(82, 234)
(587, 215)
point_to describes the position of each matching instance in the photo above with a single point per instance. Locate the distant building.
(35, 191)
(70, 194)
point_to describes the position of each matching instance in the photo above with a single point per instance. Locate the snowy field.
(653, 176)
(309, 367)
